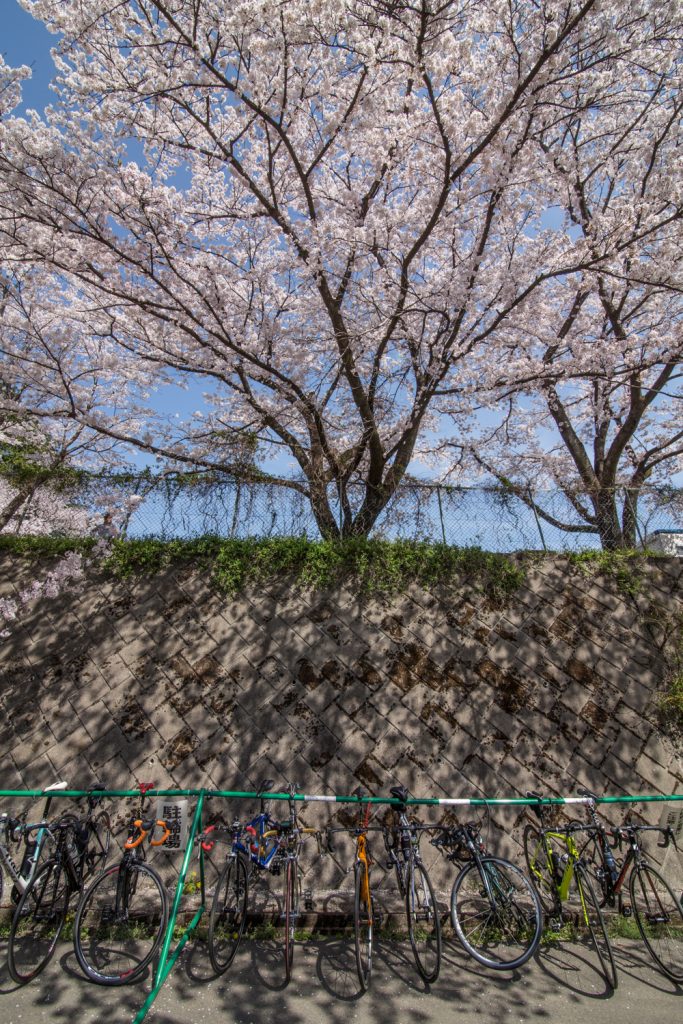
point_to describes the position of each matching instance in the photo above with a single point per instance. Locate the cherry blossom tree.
(330, 215)
(589, 400)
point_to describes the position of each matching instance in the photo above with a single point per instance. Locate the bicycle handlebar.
(144, 827)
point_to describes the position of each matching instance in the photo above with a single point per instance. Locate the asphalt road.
(561, 986)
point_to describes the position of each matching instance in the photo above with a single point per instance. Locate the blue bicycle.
(265, 844)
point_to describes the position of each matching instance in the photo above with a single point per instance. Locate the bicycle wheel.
(37, 922)
(291, 912)
(228, 914)
(120, 922)
(496, 913)
(424, 927)
(540, 874)
(659, 916)
(362, 921)
(595, 923)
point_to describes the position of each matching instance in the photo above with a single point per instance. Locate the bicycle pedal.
(627, 911)
(556, 924)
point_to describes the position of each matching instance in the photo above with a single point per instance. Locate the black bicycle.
(495, 910)
(657, 911)
(80, 846)
(121, 918)
(402, 842)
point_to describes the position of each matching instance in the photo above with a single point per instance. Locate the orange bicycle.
(122, 916)
(364, 915)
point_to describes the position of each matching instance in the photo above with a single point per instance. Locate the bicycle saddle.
(359, 793)
(400, 793)
(265, 786)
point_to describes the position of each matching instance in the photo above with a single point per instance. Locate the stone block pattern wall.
(162, 679)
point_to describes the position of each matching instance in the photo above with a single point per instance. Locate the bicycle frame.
(610, 878)
(21, 876)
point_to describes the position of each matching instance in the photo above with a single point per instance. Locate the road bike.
(402, 843)
(13, 831)
(265, 844)
(495, 910)
(78, 845)
(122, 916)
(657, 911)
(555, 864)
(248, 850)
(365, 916)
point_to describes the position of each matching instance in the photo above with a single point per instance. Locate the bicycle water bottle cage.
(399, 793)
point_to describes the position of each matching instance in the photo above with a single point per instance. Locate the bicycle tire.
(291, 913)
(37, 922)
(120, 922)
(536, 859)
(596, 926)
(363, 926)
(228, 914)
(659, 916)
(503, 934)
(424, 926)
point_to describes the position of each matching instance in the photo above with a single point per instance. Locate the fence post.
(627, 497)
(438, 498)
(538, 521)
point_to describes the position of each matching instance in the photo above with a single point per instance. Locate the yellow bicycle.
(554, 863)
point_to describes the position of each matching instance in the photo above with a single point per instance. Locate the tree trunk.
(607, 519)
(15, 504)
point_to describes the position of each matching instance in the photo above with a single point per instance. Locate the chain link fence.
(493, 518)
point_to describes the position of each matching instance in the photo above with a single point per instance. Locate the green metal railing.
(168, 957)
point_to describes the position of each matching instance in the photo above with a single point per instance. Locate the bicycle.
(554, 863)
(364, 913)
(16, 829)
(288, 836)
(657, 911)
(121, 917)
(495, 910)
(265, 844)
(230, 899)
(402, 843)
(41, 912)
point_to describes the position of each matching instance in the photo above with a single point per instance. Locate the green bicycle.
(554, 864)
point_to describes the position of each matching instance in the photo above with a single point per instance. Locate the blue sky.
(27, 41)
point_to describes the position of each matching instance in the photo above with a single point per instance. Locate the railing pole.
(166, 963)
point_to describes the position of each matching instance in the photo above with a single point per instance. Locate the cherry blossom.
(335, 217)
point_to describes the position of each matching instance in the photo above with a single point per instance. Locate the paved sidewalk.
(561, 986)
